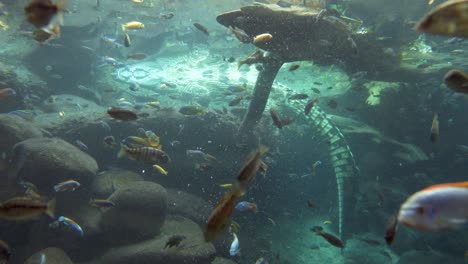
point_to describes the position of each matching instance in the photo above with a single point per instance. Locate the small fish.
(448, 19)
(332, 104)
(27, 115)
(298, 97)
(7, 93)
(250, 167)
(333, 240)
(134, 87)
(166, 16)
(275, 117)
(262, 39)
(354, 47)
(146, 154)
(133, 25)
(199, 155)
(246, 206)
(311, 204)
(26, 208)
(174, 241)
(240, 34)
(315, 90)
(41, 12)
(369, 241)
(81, 145)
(122, 114)
(221, 213)
(69, 185)
(261, 261)
(126, 40)
(160, 169)
(137, 56)
(234, 249)
(70, 222)
(457, 81)
(226, 185)
(192, 110)
(327, 222)
(109, 141)
(4, 26)
(174, 143)
(236, 101)
(203, 166)
(255, 57)
(318, 83)
(294, 67)
(435, 129)
(391, 229)
(201, 28)
(279, 122)
(310, 104)
(101, 203)
(5, 252)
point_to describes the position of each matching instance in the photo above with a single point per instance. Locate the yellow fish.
(226, 185)
(133, 25)
(327, 222)
(430, 2)
(160, 169)
(4, 26)
(138, 1)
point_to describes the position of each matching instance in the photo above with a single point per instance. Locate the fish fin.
(61, 5)
(445, 185)
(51, 207)
(122, 151)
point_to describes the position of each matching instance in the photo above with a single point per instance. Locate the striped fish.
(146, 154)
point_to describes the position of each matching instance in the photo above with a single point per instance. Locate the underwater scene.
(233, 131)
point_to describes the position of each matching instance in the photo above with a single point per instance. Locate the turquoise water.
(187, 115)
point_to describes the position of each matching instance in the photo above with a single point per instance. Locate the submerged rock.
(139, 212)
(14, 129)
(188, 205)
(108, 182)
(222, 261)
(427, 257)
(48, 161)
(193, 249)
(52, 255)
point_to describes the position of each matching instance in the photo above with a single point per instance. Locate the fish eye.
(420, 210)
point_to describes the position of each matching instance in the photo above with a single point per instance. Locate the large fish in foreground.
(438, 207)
(221, 213)
(449, 18)
(26, 208)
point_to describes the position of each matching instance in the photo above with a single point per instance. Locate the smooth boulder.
(48, 161)
(15, 129)
(188, 205)
(193, 249)
(107, 182)
(139, 212)
(52, 255)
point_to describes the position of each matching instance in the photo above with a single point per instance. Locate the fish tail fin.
(124, 29)
(51, 208)
(122, 151)
(61, 5)
(262, 149)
